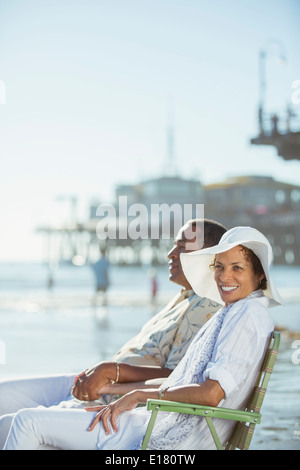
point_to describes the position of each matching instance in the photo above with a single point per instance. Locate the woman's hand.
(110, 412)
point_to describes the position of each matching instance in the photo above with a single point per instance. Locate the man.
(161, 343)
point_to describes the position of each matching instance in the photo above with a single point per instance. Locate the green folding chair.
(246, 419)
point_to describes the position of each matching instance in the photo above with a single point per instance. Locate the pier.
(277, 130)
(262, 202)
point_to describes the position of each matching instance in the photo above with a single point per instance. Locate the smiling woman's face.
(234, 275)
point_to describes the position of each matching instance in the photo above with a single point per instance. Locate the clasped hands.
(92, 383)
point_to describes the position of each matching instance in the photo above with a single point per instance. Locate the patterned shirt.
(165, 338)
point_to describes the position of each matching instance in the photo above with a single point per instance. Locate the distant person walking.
(154, 286)
(101, 269)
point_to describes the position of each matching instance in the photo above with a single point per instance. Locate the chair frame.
(246, 419)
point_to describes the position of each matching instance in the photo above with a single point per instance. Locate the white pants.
(67, 428)
(41, 413)
(17, 394)
(53, 427)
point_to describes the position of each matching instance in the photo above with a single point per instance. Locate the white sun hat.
(196, 264)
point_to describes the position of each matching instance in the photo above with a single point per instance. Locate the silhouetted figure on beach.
(154, 287)
(101, 270)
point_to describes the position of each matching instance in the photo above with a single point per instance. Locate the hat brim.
(196, 268)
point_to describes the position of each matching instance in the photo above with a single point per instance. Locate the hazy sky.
(90, 87)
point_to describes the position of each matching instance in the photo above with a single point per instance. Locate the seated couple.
(219, 368)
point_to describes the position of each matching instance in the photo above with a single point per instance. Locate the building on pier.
(262, 202)
(259, 201)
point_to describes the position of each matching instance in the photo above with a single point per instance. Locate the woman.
(219, 368)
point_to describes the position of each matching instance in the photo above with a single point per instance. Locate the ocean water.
(60, 330)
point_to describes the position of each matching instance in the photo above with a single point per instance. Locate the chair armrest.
(206, 411)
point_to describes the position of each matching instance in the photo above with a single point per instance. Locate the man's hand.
(90, 385)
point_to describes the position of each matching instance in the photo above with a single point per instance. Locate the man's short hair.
(213, 230)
